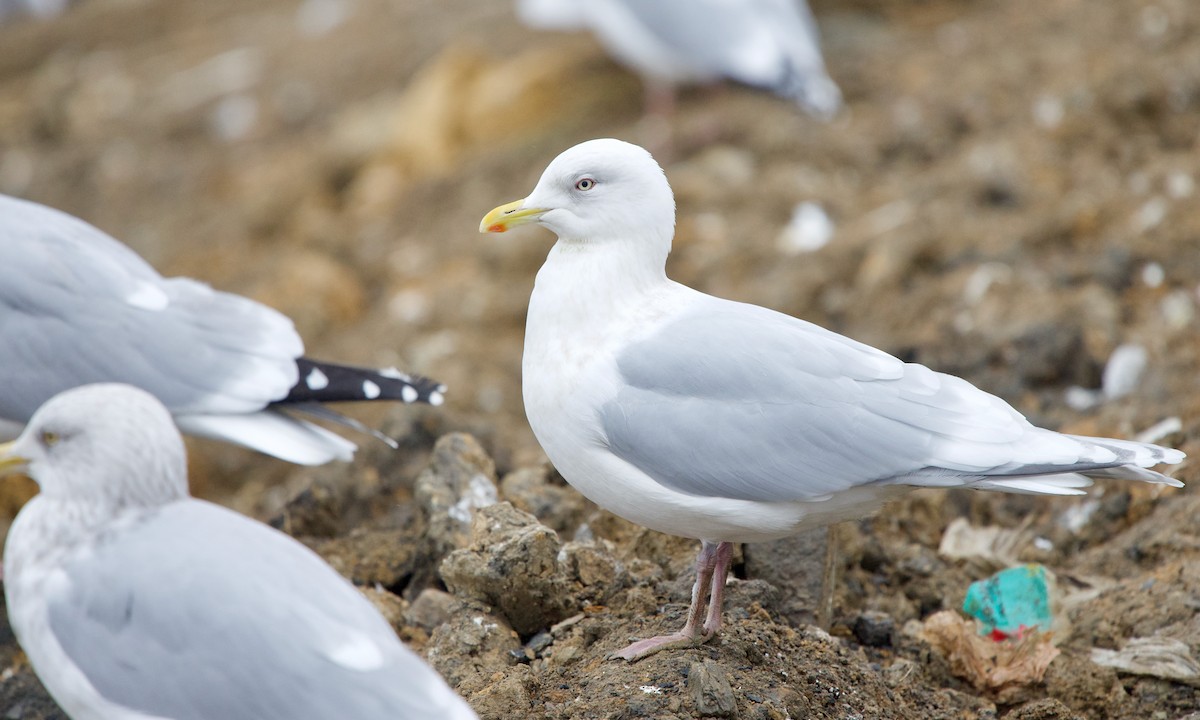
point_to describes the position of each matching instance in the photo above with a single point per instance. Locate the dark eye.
(585, 184)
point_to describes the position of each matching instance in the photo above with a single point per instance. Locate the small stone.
(874, 629)
(452, 488)
(710, 690)
(432, 607)
(593, 566)
(512, 565)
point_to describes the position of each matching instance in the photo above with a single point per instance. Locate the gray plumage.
(771, 44)
(736, 401)
(79, 307)
(728, 422)
(177, 608)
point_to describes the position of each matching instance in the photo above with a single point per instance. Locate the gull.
(770, 44)
(79, 307)
(134, 600)
(728, 422)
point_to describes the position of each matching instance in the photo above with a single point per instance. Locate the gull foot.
(649, 646)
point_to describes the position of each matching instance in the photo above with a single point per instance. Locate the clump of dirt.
(1013, 193)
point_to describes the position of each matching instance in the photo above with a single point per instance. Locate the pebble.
(874, 629)
(710, 690)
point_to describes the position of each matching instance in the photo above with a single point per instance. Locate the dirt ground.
(1013, 190)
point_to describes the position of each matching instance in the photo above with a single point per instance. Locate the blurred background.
(1009, 193)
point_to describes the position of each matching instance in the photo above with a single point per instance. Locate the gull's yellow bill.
(9, 462)
(506, 217)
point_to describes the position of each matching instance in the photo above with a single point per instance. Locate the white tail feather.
(273, 433)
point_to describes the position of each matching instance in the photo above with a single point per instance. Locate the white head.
(597, 192)
(111, 445)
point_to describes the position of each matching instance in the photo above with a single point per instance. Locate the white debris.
(809, 230)
(982, 279)
(990, 546)
(481, 492)
(1178, 310)
(234, 117)
(1161, 657)
(1081, 399)
(1180, 185)
(315, 18)
(651, 689)
(1124, 370)
(1076, 517)
(1150, 215)
(1155, 21)
(1048, 111)
(1153, 274)
(1160, 430)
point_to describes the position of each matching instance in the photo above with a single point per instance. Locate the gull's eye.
(49, 438)
(585, 184)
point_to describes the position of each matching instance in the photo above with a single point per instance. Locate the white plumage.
(135, 601)
(723, 421)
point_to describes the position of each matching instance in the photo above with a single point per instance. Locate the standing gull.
(770, 44)
(728, 422)
(78, 307)
(134, 600)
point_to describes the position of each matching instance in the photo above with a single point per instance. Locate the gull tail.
(814, 92)
(1101, 458)
(272, 433)
(322, 382)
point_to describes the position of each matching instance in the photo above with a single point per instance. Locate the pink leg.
(712, 624)
(712, 565)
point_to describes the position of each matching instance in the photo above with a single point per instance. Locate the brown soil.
(1004, 176)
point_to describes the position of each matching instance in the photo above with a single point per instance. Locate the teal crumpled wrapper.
(1011, 602)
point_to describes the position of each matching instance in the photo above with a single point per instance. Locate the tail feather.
(273, 433)
(1100, 458)
(328, 382)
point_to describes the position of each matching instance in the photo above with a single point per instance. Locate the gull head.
(110, 445)
(596, 192)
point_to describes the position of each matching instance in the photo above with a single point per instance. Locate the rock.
(1044, 709)
(874, 629)
(432, 608)
(23, 697)
(392, 607)
(597, 574)
(510, 696)
(709, 688)
(795, 565)
(471, 648)
(546, 496)
(460, 479)
(386, 557)
(512, 565)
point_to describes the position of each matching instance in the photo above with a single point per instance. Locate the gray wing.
(77, 307)
(716, 36)
(768, 43)
(737, 401)
(197, 613)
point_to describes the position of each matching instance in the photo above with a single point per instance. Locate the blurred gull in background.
(78, 307)
(729, 422)
(134, 600)
(770, 44)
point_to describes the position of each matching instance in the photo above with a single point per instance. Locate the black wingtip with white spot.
(327, 382)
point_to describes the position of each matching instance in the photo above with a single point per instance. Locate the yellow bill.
(509, 216)
(10, 463)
